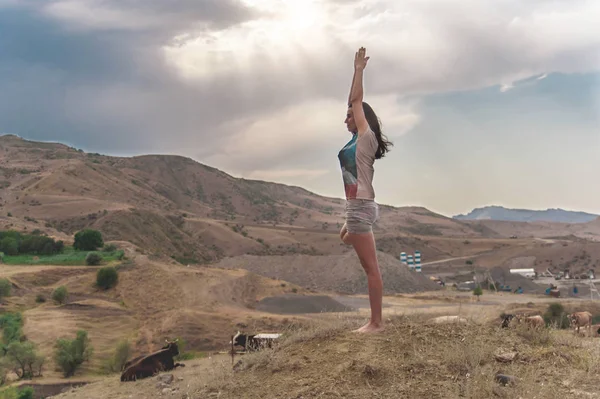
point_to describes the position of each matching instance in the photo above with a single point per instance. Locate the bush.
(107, 277)
(25, 393)
(93, 259)
(25, 362)
(109, 248)
(60, 294)
(88, 240)
(5, 288)
(39, 245)
(14, 243)
(70, 354)
(478, 292)
(40, 298)
(9, 246)
(183, 355)
(556, 316)
(17, 393)
(11, 324)
(120, 356)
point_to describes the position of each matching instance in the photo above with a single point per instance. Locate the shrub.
(25, 393)
(120, 356)
(5, 288)
(88, 240)
(556, 316)
(183, 355)
(478, 292)
(109, 248)
(39, 245)
(24, 360)
(60, 294)
(11, 324)
(93, 259)
(40, 298)
(70, 354)
(107, 277)
(9, 246)
(17, 393)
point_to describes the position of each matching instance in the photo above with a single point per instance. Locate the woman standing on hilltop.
(356, 159)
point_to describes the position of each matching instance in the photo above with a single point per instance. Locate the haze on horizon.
(487, 104)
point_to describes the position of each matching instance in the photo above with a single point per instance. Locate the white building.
(523, 272)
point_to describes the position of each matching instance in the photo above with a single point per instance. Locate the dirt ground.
(411, 359)
(300, 304)
(333, 273)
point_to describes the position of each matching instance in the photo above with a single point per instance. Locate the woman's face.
(350, 124)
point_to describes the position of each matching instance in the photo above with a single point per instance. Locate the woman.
(356, 160)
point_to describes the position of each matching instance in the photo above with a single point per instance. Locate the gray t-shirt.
(356, 159)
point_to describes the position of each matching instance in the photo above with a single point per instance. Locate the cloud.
(302, 135)
(259, 85)
(418, 46)
(147, 15)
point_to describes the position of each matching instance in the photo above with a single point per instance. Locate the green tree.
(12, 328)
(5, 288)
(10, 246)
(478, 292)
(60, 294)
(88, 240)
(25, 361)
(93, 259)
(107, 277)
(70, 354)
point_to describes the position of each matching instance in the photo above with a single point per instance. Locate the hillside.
(181, 208)
(411, 359)
(526, 215)
(339, 274)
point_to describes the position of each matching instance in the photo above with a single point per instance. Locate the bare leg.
(364, 245)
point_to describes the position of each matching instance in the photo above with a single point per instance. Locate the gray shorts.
(360, 215)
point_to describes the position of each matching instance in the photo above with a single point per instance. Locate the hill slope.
(410, 360)
(179, 207)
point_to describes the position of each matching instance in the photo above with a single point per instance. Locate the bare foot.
(361, 328)
(370, 328)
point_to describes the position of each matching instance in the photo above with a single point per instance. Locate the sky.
(486, 103)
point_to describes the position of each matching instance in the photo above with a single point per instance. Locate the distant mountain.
(526, 215)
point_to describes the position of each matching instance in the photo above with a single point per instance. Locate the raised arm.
(356, 92)
(351, 90)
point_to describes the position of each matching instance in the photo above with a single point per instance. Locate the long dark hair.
(375, 125)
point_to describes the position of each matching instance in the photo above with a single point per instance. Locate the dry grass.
(412, 359)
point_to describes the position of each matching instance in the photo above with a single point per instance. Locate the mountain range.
(526, 215)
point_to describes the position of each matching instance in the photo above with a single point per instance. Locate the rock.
(506, 357)
(448, 319)
(506, 379)
(166, 391)
(166, 378)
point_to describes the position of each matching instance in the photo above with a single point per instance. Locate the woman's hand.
(360, 60)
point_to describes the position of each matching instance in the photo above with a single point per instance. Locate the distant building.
(530, 273)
